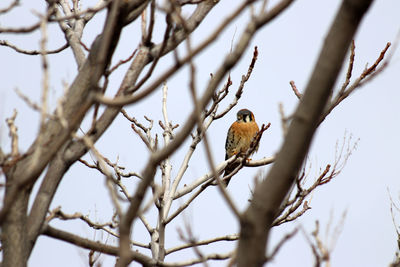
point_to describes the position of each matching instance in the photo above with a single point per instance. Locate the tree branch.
(94, 245)
(32, 52)
(233, 237)
(268, 196)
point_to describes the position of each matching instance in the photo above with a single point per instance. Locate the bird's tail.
(228, 170)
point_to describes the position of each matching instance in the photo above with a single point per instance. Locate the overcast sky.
(288, 48)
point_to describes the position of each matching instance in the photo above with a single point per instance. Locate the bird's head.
(245, 115)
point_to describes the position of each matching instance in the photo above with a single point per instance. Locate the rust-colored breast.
(239, 137)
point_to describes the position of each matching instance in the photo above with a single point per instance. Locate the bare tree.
(278, 198)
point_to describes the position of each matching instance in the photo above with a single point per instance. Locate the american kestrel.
(239, 137)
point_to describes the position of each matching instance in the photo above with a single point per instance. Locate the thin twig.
(284, 120)
(103, 167)
(32, 52)
(87, 15)
(189, 2)
(280, 244)
(13, 133)
(326, 175)
(295, 91)
(10, 6)
(233, 237)
(154, 64)
(121, 62)
(349, 68)
(365, 76)
(239, 91)
(59, 214)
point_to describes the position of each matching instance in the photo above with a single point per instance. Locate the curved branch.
(233, 237)
(10, 6)
(32, 52)
(93, 245)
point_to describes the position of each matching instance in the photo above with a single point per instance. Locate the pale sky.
(288, 48)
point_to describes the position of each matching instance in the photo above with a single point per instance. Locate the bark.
(13, 232)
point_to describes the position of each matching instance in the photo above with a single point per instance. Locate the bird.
(239, 138)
